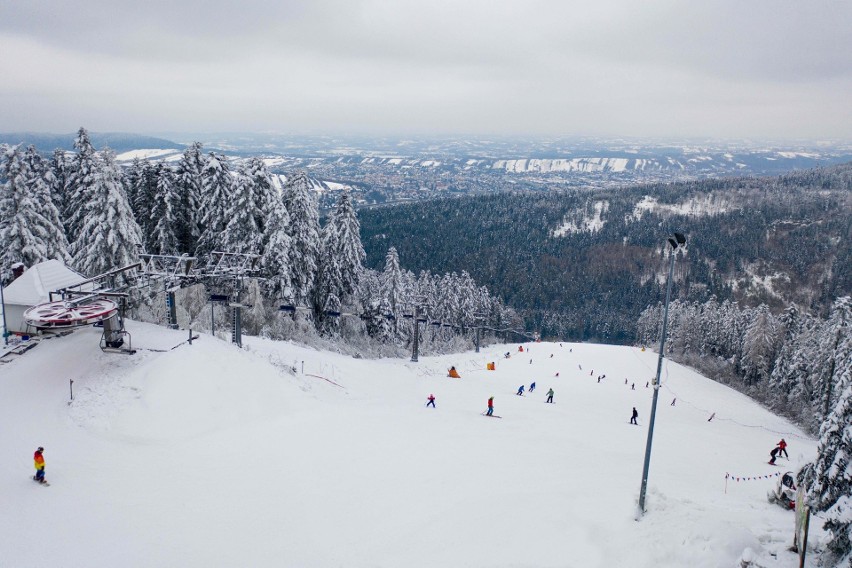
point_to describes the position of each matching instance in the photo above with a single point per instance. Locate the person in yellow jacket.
(38, 458)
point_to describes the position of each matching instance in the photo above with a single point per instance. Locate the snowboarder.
(782, 448)
(773, 454)
(431, 401)
(520, 391)
(532, 386)
(634, 417)
(550, 395)
(490, 406)
(38, 459)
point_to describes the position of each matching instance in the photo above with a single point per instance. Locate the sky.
(659, 68)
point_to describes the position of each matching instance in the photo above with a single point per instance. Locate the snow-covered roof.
(33, 287)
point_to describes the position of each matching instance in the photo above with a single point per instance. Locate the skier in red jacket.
(490, 406)
(431, 401)
(782, 448)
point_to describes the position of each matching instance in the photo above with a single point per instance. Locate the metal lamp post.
(676, 240)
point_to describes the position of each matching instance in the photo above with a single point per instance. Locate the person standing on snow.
(431, 401)
(634, 417)
(782, 448)
(773, 454)
(549, 396)
(490, 406)
(520, 391)
(38, 459)
(532, 386)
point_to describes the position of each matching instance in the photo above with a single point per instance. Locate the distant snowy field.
(208, 456)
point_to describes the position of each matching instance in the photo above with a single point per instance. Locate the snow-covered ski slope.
(211, 456)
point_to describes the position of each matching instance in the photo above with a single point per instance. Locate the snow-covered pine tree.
(40, 181)
(759, 345)
(304, 236)
(349, 248)
(164, 217)
(22, 228)
(275, 260)
(60, 170)
(80, 186)
(329, 281)
(830, 492)
(189, 184)
(145, 202)
(265, 194)
(391, 280)
(218, 187)
(834, 350)
(782, 382)
(109, 235)
(242, 232)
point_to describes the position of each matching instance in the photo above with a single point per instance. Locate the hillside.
(206, 455)
(583, 265)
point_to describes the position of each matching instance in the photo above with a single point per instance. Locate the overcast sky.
(726, 69)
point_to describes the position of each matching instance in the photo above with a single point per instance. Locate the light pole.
(676, 240)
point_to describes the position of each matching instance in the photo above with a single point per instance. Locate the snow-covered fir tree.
(275, 260)
(830, 491)
(242, 233)
(109, 236)
(265, 194)
(218, 187)
(40, 182)
(60, 170)
(165, 218)
(759, 343)
(80, 186)
(304, 236)
(29, 222)
(392, 282)
(190, 186)
(145, 182)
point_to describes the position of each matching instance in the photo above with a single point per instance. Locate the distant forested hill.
(116, 141)
(582, 265)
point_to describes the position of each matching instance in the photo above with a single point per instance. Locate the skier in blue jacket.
(520, 391)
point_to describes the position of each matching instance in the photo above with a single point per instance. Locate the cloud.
(621, 67)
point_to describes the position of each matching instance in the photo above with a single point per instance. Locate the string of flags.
(752, 478)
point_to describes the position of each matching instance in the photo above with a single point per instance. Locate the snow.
(34, 285)
(587, 165)
(146, 154)
(703, 206)
(208, 455)
(590, 224)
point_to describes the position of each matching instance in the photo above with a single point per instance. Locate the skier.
(674, 400)
(550, 396)
(599, 378)
(532, 386)
(625, 381)
(556, 375)
(431, 401)
(551, 355)
(520, 391)
(782, 448)
(633, 387)
(634, 417)
(490, 406)
(38, 458)
(773, 454)
(646, 384)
